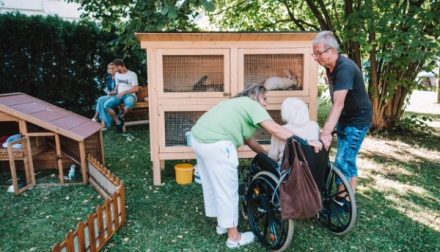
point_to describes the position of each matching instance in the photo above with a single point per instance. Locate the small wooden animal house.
(51, 137)
(188, 73)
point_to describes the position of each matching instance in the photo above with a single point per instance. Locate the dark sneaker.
(340, 207)
(119, 127)
(336, 208)
(120, 116)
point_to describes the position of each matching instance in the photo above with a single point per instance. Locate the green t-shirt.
(235, 120)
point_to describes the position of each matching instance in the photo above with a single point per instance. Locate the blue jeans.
(103, 115)
(348, 148)
(128, 99)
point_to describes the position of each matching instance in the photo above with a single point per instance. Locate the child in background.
(296, 115)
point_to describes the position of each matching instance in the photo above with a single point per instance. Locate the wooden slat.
(108, 217)
(249, 36)
(13, 169)
(100, 224)
(137, 122)
(59, 161)
(115, 210)
(7, 118)
(81, 237)
(121, 194)
(33, 134)
(56, 248)
(82, 156)
(70, 244)
(92, 235)
(225, 36)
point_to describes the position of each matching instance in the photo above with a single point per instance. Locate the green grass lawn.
(398, 199)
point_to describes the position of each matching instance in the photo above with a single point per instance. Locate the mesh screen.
(177, 124)
(193, 73)
(259, 67)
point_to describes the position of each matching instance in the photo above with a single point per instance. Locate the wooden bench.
(140, 110)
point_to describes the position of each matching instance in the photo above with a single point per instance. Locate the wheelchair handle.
(300, 140)
(304, 142)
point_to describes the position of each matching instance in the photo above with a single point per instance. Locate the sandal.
(246, 238)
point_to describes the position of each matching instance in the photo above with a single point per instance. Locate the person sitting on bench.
(127, 86)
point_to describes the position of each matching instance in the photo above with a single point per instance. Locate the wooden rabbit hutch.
(188, 73)
(52, 138)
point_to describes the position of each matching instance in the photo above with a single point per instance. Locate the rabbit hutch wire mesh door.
(188, 73)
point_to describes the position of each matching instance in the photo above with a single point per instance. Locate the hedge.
(61, 62)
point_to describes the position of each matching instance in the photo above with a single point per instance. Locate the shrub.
(61, 62)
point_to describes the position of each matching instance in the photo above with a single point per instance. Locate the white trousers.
(217, 163)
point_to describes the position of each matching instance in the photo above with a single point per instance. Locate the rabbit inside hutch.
(200, 86)
(281, 83)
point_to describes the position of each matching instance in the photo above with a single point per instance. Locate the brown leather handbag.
(299, 195)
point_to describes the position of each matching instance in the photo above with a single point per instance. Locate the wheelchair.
(261, 205)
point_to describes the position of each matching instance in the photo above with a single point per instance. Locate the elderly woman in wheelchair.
(261, 203)
(259, 189)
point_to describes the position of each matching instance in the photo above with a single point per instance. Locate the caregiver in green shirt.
(215, 139)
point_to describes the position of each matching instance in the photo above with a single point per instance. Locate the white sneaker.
(246, 238)
(221, 230)
(94, 119)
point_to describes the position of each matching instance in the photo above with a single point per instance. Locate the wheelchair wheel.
(264, 213)
(337, 219)
(243, 176)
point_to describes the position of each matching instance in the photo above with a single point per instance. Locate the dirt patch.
(424, 102)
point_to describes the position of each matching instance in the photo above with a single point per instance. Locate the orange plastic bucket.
(184, 173)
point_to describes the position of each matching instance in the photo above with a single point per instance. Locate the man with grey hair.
(351, 111)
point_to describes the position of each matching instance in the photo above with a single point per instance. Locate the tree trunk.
(438, 82)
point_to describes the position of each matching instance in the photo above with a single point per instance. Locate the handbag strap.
(290, 146)
(289, 156)
(301, 153)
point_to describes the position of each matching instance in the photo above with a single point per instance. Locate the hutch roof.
(48, 116)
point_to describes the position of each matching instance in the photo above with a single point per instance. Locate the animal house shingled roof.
(48, 116)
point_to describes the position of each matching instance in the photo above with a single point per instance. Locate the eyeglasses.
(318, 54)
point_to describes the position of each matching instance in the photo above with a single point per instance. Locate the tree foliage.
(397, 38)
(131, 16)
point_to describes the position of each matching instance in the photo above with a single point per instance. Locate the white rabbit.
(276, 82)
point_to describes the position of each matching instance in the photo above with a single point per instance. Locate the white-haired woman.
(296, 115)
(215, 138)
